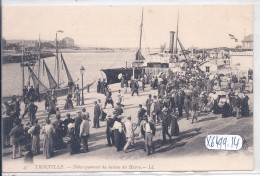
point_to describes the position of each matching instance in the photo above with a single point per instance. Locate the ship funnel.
(171, 42)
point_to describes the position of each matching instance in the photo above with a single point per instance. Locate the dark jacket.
(110, 123)
(141, 113)
(97, 111)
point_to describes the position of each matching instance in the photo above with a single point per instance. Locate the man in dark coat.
(16, 135)
(31, 91)
(237, 105)
(165, 124)
(32, 109)
(134, 87)
(119, 110)
(97, 113)
(109, 131)
(180, 100)
(25, 90)
(78, 121)
(143, 83)
(141, 113)
(245, 107)
(98, 86)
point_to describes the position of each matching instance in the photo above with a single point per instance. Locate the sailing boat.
(129, 72)
(53, 84)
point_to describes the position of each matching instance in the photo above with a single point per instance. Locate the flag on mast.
(233, 37)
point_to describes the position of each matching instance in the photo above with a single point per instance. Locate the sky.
(200, 26)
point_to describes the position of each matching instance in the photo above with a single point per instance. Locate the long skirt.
(119, 140)
(74, 145)
(48, 145)
(35, 144)
(68, 105)
(216, 109)
(58, 141)
(225, 110)
(174, 127)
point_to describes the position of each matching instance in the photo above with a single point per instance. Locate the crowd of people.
(178, 94)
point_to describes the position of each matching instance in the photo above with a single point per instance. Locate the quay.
(186, 148)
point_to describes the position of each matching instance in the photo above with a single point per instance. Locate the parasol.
(120, 76)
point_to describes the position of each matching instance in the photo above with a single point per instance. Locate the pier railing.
(156, 71)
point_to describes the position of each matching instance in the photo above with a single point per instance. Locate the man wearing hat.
(84, 131)
(119, 110)
(237, 105)
(148, 103)
(149, 129)
(134, 87)
(187, 106)
(109, 99)
(16, 135)
(97, 113)
(141, 113)
(32, 109)
(165, 124)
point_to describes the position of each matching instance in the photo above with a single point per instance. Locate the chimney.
(171, 42)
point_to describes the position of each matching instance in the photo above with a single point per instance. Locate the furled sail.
(67, 70)
(42, 87)
(52, 81)
(139, 55)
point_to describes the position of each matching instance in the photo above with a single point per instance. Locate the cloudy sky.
(119, 26)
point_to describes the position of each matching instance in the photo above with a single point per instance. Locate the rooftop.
(248, 38)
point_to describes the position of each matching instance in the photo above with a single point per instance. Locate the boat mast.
(39, 60)
(140, 41)
(23, 63)
(57, 58)
(177, 33)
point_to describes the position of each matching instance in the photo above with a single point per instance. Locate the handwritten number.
(212, 142)
(225, 142)
(208, 141)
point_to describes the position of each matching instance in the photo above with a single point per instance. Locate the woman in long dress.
(174, 126)
(48, 131)
(119, 137)
(35, 131)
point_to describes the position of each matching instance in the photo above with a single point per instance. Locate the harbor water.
(92, 62)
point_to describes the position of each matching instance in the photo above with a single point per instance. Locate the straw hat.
(164, 109)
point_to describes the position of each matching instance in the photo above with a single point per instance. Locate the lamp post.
(82, 70)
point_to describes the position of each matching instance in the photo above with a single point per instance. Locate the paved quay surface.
(189, 143)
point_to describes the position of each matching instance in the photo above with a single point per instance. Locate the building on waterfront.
(248, 42)
(29, 43)
(67, 42)
(242, 60)
(208, 66)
